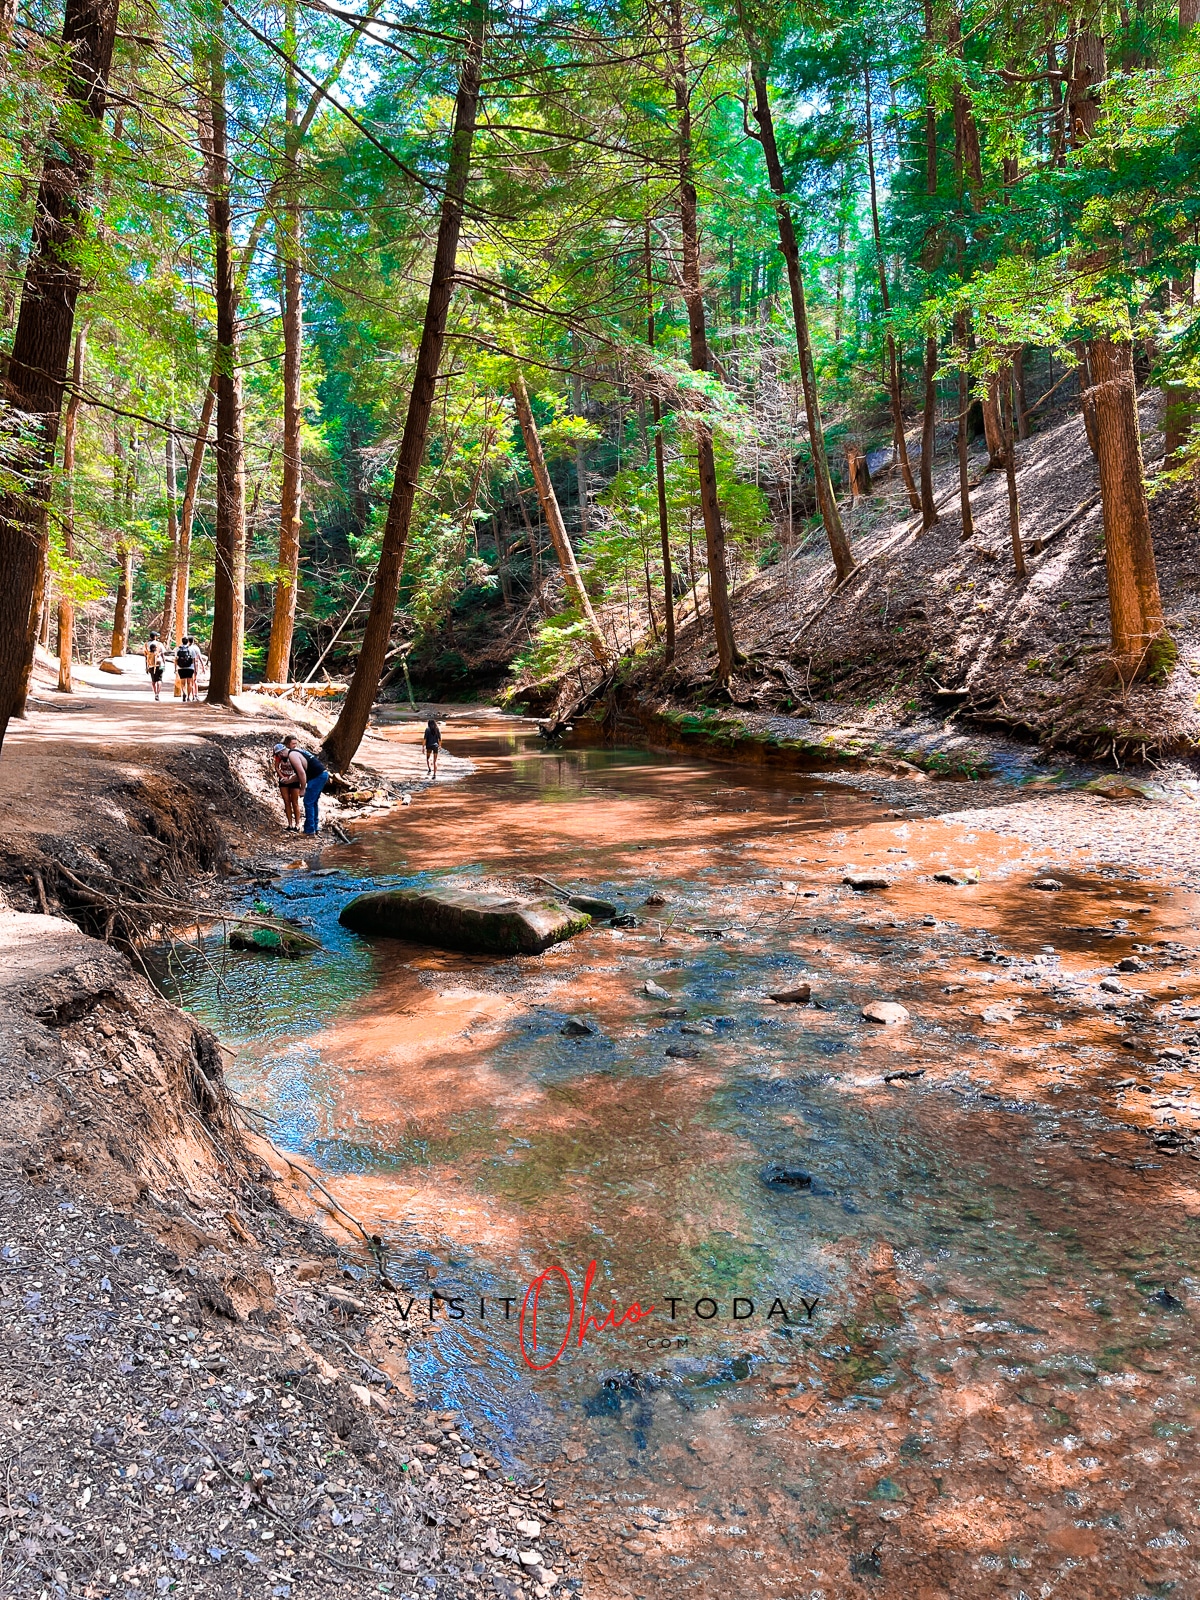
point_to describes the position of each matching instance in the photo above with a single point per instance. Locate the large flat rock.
(465, 919)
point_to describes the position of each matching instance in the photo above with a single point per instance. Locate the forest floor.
(935, 642)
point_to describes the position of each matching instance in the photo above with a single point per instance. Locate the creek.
(969, 1306)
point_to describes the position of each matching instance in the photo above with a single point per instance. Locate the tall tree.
(37, 367)
(895, 394)
(229, 583)
(346, 734)
(554, 520)
(693, 294)
(660, 473)
(66, 602)
(283, 619)
(839, 544)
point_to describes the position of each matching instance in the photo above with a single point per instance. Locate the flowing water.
(951, 1351)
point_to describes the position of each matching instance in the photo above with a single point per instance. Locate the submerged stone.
(777, 1176)
(598, 910)
(465, 919)
(573, 1028)
(271, 941)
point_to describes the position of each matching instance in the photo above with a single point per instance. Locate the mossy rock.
(271, 941)
(465, 919)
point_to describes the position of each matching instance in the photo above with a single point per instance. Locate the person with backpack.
(433, 746)
(291, 780)
(186, 661)
(155, 656)
(316, 776)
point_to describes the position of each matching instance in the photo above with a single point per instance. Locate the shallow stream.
(939, 1356)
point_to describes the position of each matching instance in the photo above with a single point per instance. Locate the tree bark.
(1135, 607)
(993, 427)
(1087, 403)
(187, 514)
(839, 544)
(660, 477)
(283, 618)
(346, 734)
(172, 481)
(552, 513)
(37, 367)
(1086, 68)
(229, 545)
(710, 509)
(893, 365)
(66, 603)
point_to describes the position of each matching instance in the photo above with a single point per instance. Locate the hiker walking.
(155, 655)
(187, 659)
(291, 774)
(433, 746)
(316, 776)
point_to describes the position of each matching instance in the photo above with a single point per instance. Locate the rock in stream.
(465, 919)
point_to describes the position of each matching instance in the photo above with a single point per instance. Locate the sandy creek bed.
(992, 1391)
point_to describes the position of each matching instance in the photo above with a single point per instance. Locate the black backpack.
(184, 656)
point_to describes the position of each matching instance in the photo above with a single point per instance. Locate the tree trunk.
(1135, 607)
(581, 477)
(552, 513)
(37, 367)
(893, 365)
(187, 515)
(1086, 69)
(839, 544)
(710, 509)
(1179, 399)
(1087, 401)
(964, 407)
(229, 546)
(929, 514)
(346, 735)
(283, 618)
(1010, 470)
(172, 480)
(120, 633)
(66, 603)
(1021, 403)
(993, 427)
(660, 478)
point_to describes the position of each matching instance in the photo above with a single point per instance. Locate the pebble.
(705, 1030)
(1048, 884)
(573, 1028)
(862, 881)
(1111, 986)
(683, 1052)
(888, 1013)
(656, 990)
(958, 878)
